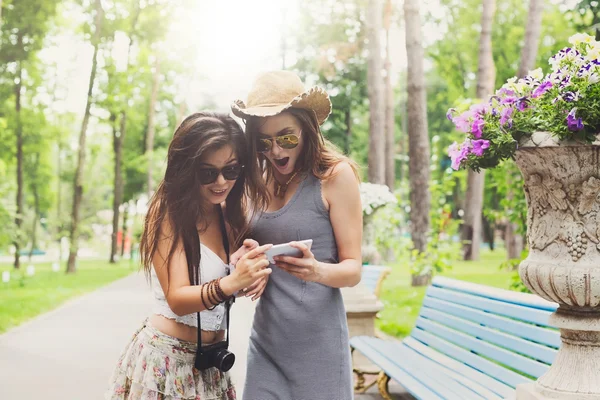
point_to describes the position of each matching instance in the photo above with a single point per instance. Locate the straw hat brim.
(315, 99)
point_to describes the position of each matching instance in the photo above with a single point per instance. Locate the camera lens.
(225, 360)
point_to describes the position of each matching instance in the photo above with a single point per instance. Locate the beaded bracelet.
(213, 293)
(207, 296)
(220, 292)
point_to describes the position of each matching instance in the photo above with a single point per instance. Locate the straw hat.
(276, 91)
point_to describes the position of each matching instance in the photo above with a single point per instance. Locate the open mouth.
(282, 162)
(218, 192)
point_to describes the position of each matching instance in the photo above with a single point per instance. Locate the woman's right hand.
(251, 267)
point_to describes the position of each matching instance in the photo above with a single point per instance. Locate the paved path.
(69, 353)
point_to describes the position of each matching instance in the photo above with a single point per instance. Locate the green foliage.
(332, 39)
(442, 247)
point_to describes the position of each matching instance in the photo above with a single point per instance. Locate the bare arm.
(184, 298)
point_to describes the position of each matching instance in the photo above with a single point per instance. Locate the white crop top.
(212, 267)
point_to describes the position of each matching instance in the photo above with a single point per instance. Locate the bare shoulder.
(341, 175)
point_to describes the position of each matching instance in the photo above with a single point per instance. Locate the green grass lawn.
(403, 302)
(24, 297)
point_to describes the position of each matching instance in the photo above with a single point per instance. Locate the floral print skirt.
(155, 366)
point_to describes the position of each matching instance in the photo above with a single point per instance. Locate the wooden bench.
(470, 342)
(373, 277)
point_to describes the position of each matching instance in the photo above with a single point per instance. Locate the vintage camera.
(215, 355)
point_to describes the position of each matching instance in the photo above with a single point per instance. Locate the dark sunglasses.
(210, 175)
(290, 141)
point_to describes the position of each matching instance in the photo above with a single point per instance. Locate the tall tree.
(390, 121)
(376, 99)
(486, 76)
(19, 139)
(533, 30)
(122, 80)
(118, 130)
(418, 139)
(152, 124)
(78, 180)
(513, 239)
(21, 37)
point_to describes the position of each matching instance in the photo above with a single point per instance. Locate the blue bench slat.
(437, 376)
(438, 383)
(550, 337)
(513, 360)
(481, 364)
(472, 374)
(511, 343)
(506, 296)
(533, 315)
(394, 371)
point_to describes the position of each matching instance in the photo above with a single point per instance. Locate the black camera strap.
(198, 277)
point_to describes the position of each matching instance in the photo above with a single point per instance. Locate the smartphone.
(285, 249)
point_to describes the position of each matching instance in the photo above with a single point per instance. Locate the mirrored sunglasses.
(264, 145)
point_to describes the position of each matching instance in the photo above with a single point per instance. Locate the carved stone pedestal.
(562, 186)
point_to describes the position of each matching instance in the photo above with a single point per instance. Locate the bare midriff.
(184, 332)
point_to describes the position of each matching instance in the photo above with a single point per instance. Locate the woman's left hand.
(306, 268)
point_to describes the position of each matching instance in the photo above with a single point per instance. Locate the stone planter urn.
(562, 187)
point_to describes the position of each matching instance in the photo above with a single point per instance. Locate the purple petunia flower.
(522, 103)
(509, 100)
(570, 97)
(479, 146)
(458, 153)
(540, 90)
(573, 123)
(505, 115)
(450, 113)
(462, 122)
(477, 127)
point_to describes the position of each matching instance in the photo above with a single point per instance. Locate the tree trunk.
(488, 232)
(78, 182)
(124, 228)
(19, 135)
(486, 75)
(418, 139)
(59, 225)
(376, 160)
(348, 119)
(533, 30)
(36, 214)
(118, 138)
(513, 240)
(421, 280)
(151, 125)
(390, 125)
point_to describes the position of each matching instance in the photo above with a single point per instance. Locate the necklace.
(281, 189)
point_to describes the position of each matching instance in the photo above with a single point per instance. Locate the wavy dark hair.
(177, 200)
(318, 157)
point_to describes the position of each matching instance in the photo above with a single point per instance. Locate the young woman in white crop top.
(205, 184)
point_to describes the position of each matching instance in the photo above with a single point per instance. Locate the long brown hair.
(178, 201)
(318, 157)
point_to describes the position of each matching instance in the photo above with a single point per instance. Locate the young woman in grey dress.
(298, 347)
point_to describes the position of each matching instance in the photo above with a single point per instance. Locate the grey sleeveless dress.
(298, 347)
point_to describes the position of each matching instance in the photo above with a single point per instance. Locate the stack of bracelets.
(214, 294)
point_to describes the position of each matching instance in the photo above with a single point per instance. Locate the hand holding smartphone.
(285, 249)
